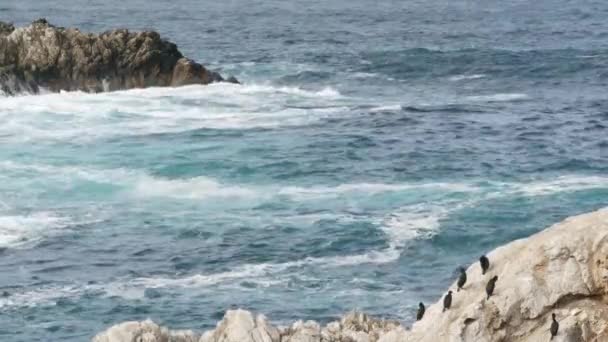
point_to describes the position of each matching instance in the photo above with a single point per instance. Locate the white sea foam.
(386, 108)
(405, 225)
(421, 221)
(38, 297)
(466, 77)
(142, 184)
(18, 230)
(82, 116)
(566, 183)
(138, 182)
(363, 75)
(266, 274)
(414, 222)
(506, 97)
(192, 188)
(370, 188)
(200, 280)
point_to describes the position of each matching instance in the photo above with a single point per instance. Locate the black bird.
(462, 279)
(447, 301)
(554, 327)
(485, 264)
(490, 286)
(421, 310)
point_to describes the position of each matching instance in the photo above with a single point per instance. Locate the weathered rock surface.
(146, 331)
(241, 326)
(562, 270)
(54, 58)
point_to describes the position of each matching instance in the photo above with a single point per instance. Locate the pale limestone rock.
(308, 331)
(240, 326)
(146, 331)
(563, 269)
(397, 334)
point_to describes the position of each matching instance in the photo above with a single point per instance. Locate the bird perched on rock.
(447, 301)
(491, 285)
(462, 279)
(554, 326)
(485, 264)
(421, 310)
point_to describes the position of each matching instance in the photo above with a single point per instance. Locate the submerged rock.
(54, 58)
(562, 270)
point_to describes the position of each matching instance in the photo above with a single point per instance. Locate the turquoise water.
(371, 150)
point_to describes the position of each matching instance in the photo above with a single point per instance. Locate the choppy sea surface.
(372, 149)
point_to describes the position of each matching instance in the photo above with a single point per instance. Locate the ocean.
(371, 150)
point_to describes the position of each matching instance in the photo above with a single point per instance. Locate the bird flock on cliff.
(490, 287)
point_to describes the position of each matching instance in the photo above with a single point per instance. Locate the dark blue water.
(371, 150)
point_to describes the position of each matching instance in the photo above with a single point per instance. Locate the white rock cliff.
(561, 270)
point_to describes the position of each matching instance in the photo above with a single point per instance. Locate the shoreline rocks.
(42, 56)
(562, 270)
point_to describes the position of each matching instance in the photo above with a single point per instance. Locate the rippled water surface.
(371, 150)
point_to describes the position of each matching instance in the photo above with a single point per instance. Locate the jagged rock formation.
(146, 331)
(562, 270)
(242, 326)
(54, 58)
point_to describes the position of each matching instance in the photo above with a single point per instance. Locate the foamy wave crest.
(138, 182)
(371, 188)
(466, 77)
(569, 183)
(192, 188)
(410, 223)
(38, 297)
(326, 92)
(249, 272)
(414, 222)
(18, 230)
(499, 97)
(386, 108)
(363, 75)
(143, 184)
(260, 272)
(230, 89)
(83, 116)
(264, 275)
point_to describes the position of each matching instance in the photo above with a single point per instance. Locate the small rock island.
(42, 56)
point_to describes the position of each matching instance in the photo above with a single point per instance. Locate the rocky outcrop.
(43, 56)
(243, 326)
(146, 331)
(240, 325)
(562, 270)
